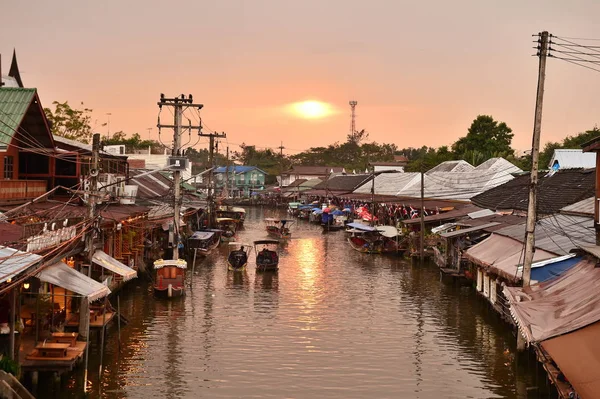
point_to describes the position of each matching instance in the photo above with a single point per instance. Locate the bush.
(9, 365)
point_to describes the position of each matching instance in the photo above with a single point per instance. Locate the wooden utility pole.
(92, 193)
(535, 154)
(422, 252)
(178, 161)
(211, 162)
(227, 173)
(281, 148)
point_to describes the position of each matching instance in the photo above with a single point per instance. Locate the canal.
(332, 323)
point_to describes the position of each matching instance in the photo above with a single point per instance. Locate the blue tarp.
(549, 270)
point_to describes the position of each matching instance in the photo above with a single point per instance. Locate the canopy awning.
(502, 256)
(577, 354)
(361, 226)
(14, 262)
(63, 276)
(108, 262)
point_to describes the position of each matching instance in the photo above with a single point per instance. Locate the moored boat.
(228, 226)
(204, 241)
(170, 278)
(279, 227)
(234, 212)
(238, 256)
(267, 259)
(374, 239)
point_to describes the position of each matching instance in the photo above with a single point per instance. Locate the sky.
(421, 71)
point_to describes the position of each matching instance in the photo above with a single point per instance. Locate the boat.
(279, 227)
(204, 241)
(234, 212)
(333, 220)
(170, 276)
(374, 239)
(228, 226)
(267, 259)
(293, 208)
(238, 256)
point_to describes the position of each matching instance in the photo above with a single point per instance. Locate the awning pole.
(13, 310)
(87, 342)
(37, 317)
(102, 339)
(194, 266)
(119, 320)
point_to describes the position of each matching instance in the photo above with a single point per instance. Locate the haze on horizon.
(420, 71)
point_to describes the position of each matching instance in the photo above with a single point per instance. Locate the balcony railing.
(21, 190)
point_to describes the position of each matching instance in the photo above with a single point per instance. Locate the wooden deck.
(34, 361)
(95, 321)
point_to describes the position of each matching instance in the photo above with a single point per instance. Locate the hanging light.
(26, 286)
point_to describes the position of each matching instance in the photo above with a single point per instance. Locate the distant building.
(308, 173)
(383, 166)
(241, 180)
(572, 159)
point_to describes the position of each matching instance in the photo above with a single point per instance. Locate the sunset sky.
(421, 71)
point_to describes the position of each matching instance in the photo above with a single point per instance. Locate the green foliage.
(70, 123)
(351, 155)
(9, 365)
(271, 162)
(133, 143)
(426, 157)
(486, 138)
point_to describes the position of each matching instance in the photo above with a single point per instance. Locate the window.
(8, 167)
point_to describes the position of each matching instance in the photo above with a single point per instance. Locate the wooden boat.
(233, 212)
(373, 239)
(204, 241)
(238, 256)
(170, 278)
(228, 226)
(279, 227)
(267, 258)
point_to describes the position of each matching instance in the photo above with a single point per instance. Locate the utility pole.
(281, 148)
(353, 104)
(92, 193)
(422, 253)
(535, 155)
(211, 161)
(227, 172)
(177, 159)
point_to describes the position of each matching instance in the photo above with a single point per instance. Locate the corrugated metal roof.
(455, 185)
(452, 166)
(583, 207)
(572, 159)
(237, 169)
(13, 262)
(468, 230)
(14, 103)
(480, 214)
(557, 233)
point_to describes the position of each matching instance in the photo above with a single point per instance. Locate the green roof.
(14, 103)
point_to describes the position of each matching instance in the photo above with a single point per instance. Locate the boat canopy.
(388, 231)
(360, 226)
(180, 263)
(238, 209)
(239, 244)
(202, 235)
(225, 220)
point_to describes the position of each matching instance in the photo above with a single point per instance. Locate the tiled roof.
(313, 170)
(564, 188)
(343, 183)
(14, 103)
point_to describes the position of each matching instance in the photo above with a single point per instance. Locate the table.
(50, 349)
(65, 338)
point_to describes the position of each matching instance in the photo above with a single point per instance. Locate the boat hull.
(276, 232)
(169, 292)
(233, 268)
(361, 245)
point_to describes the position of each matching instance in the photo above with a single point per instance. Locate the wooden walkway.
(95, 322)
(33, 361)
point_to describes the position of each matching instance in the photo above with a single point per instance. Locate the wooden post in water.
(102, 339)
(87, 341)
(119, 320)
(422, 254)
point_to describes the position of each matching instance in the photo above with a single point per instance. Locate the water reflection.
(331, 323)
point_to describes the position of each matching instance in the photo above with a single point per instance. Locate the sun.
(311, 109)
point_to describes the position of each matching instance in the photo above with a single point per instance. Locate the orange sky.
(420, 71)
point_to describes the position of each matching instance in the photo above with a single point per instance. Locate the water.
(332, 323)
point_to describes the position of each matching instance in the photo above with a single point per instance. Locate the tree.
(486, 138)
(70, 123)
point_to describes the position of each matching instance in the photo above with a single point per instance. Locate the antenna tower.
(353, 123)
